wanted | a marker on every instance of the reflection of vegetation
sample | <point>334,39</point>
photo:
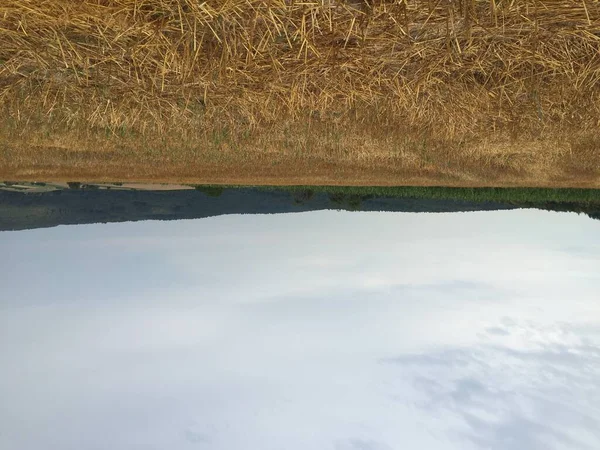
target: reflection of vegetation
<point>337,198</point>
<point>84,205</point>
<point>300,197</point>
<point>211,191</point>
<point>339,194</point>
<point>351,202</point>
<point>354,201</point>
<point>351,197</point>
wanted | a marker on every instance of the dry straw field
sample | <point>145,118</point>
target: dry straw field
<point>450,92</point>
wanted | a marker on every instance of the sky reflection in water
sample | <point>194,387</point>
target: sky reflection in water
<point>325,330</point>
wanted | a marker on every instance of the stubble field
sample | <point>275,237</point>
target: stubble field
<point>433,92</point>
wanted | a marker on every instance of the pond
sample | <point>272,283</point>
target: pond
<point>316,330</point>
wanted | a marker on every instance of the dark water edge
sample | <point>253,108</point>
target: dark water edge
<point>29,210</point>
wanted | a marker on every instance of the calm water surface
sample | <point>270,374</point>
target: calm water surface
<point>322,330</point>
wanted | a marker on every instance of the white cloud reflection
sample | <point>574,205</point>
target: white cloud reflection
<point>324,330</point>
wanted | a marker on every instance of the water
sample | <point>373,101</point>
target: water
<point>316,330</point>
